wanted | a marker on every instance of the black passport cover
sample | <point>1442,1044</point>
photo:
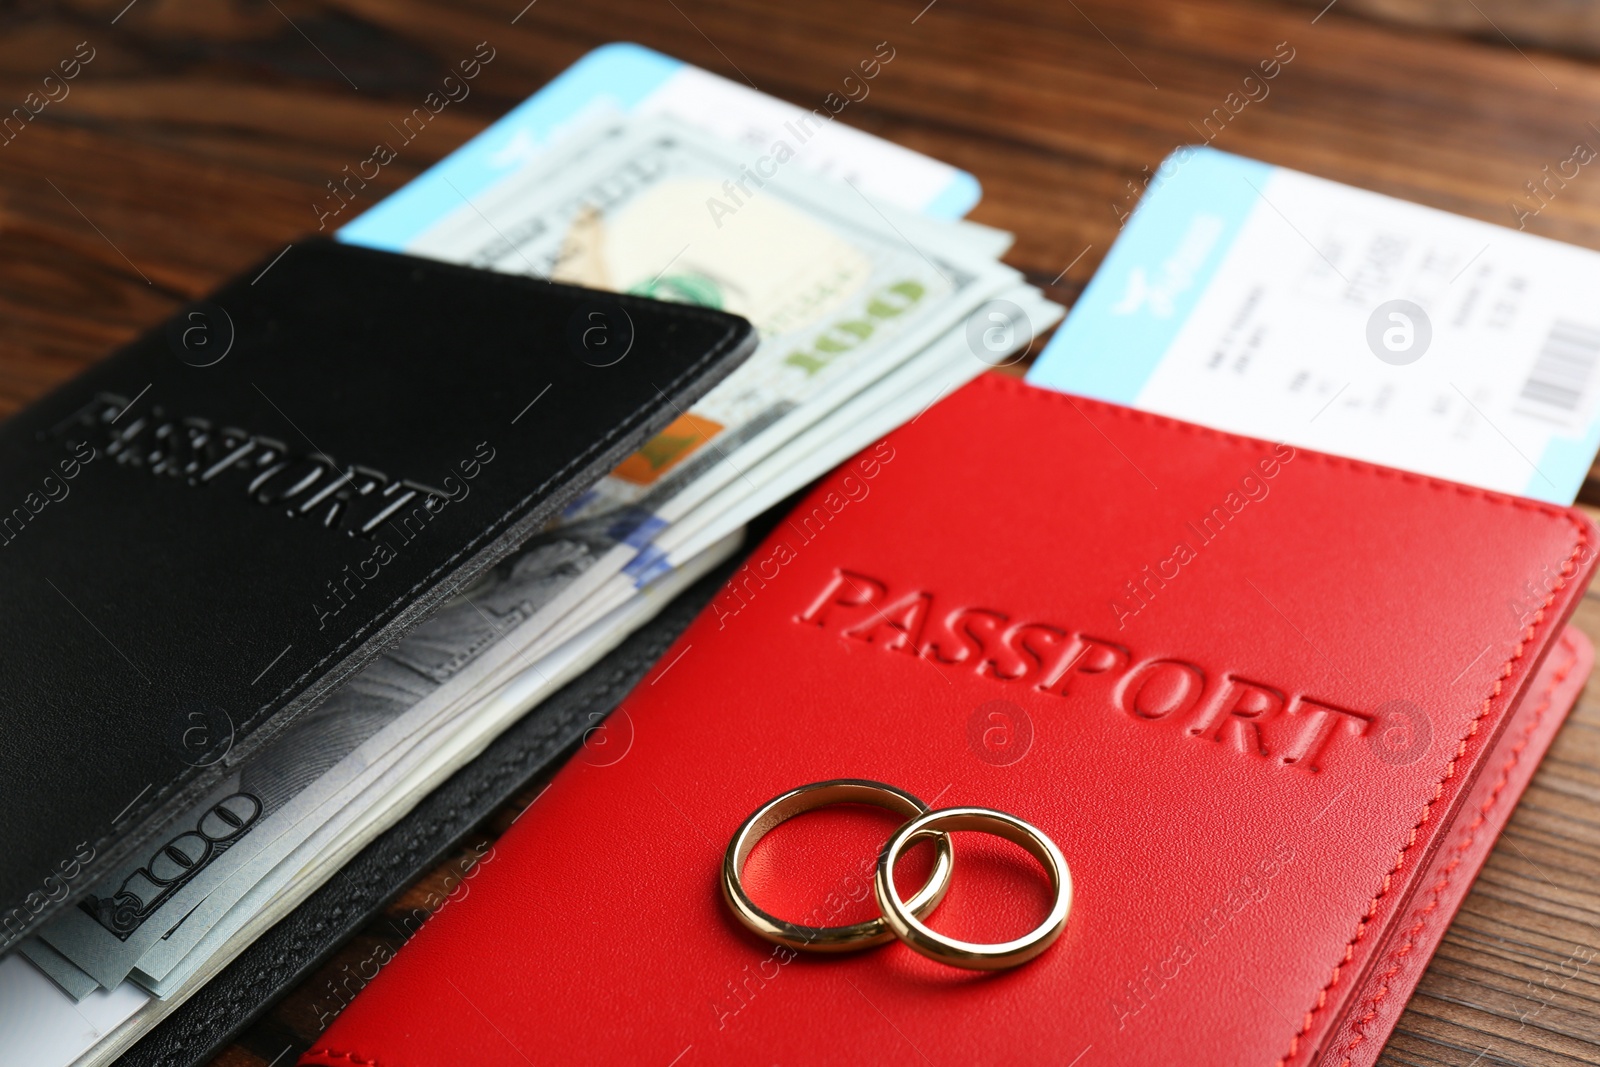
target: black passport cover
<point>203,535</point>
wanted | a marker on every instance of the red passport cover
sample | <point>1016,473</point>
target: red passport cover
<point>1274,706</point>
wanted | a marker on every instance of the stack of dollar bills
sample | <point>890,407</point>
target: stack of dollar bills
<point>631,173</point>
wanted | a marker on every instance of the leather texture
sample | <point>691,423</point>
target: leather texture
<point>1248,690</point>
<point>200,552</point>
<point>535,745</point>
<point>1442,886</point>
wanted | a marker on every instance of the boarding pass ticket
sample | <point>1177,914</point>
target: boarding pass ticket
<point>1266,302</point>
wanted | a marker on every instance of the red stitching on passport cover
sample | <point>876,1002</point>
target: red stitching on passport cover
<point>1568,569</point>
<point>1400,952</point>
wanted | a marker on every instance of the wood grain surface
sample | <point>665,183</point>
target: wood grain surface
<point>201,135</point>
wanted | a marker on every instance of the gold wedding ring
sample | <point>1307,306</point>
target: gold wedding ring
<point>806,798</point>
<point>978,957</point>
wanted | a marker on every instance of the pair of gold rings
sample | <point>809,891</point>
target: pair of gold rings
<point>899,919</point>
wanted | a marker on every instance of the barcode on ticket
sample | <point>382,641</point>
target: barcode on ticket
<point>1559,381</point>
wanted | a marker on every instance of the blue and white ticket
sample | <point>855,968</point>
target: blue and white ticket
<point>628,79</point>
<point>1267,302</point>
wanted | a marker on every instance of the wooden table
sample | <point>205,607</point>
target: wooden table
<point>201,134</point>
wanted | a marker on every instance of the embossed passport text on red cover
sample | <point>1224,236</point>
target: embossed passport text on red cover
<point>1274,706</point>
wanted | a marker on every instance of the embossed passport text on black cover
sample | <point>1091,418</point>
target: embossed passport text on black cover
<point>204,534</point>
